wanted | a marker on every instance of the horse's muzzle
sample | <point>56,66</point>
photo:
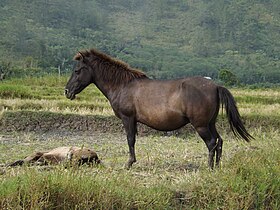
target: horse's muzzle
<point>69,95</point>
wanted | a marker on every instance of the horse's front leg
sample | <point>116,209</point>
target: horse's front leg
<point>131,142</point>
<point>130,125</point>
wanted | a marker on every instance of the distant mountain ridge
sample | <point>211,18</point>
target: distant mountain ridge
<point>165,38</point>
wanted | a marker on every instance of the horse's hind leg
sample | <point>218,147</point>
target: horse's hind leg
<point>210,142</point>
<point>219,146</point>
<point>219,149</point>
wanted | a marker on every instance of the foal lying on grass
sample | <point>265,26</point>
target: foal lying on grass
<point>73,155</point>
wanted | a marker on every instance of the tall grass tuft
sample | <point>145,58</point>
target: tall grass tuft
<point>250,180</point>
<point>65,189</point>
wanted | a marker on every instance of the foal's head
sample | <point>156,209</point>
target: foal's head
<point>83,156</point>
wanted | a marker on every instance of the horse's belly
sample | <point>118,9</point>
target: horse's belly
<point>164,121</point>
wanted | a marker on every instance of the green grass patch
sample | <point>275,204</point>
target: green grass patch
<point>257,99</point>
<point>48,87</point>
<point>16,91</point>
<point>48,81</point>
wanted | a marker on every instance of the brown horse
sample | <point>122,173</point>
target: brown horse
<point>76,155</point>
<point>162,105</point>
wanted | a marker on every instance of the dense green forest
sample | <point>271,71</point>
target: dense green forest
<point>230,40</point>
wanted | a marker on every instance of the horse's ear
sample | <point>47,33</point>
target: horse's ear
<point>82,56</point>
<point>79,56</point>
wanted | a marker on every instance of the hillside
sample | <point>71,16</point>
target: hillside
<point>165,38</point>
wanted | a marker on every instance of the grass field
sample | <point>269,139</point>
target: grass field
<point>171,170</point>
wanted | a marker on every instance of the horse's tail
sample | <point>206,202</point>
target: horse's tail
<point>234,119</point>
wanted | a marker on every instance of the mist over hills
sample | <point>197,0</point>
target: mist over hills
<point>164,38</point>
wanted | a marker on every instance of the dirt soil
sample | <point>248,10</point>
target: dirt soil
<point>30,121</point>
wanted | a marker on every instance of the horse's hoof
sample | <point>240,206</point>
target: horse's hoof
<point>128,166</point>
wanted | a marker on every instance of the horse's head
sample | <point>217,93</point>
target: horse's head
<point>83,155</point>
<point>80,78</point>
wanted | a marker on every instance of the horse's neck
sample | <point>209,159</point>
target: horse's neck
<point>110,89</point>
<point>107,88</point>
<point>104,91</point>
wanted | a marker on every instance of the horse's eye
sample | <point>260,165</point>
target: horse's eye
<point>78,71</point>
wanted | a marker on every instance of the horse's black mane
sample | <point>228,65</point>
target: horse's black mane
<point>111,69</point>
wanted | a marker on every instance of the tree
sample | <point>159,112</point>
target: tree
<point>5,69</point>
<point>227,77</point>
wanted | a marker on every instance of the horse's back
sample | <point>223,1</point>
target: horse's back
<point>189,89</point>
